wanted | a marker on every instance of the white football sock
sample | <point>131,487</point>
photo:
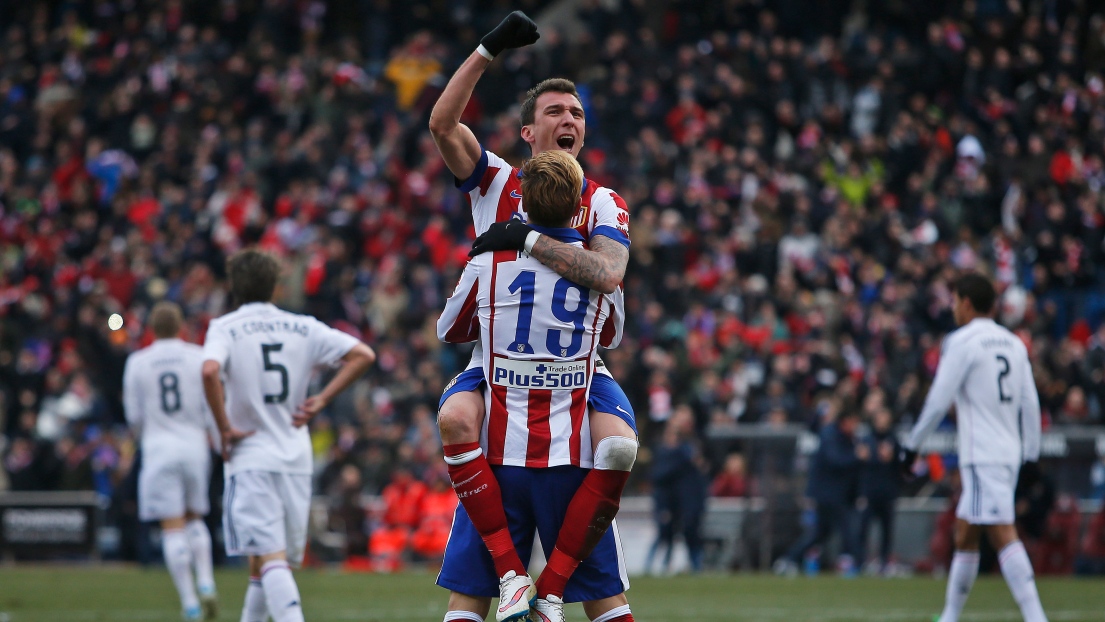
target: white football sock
<point>281,592</point>
<point>960,579</point>
<point>199,540</point>
<point>254,609</point>
<point>1017,571</point>
<point>178,559</point>
<point>455,616</point>
<point>613,613</point>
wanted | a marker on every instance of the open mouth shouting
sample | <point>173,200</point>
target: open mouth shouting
<point>566,142</point>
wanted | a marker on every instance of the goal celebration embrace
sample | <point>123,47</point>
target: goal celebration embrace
<point>552,310</point>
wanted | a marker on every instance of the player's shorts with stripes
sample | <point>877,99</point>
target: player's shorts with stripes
<point>987,497</point>
<point>606,396</point>
<point>169,486</point>
<point>534,500</point>
<point>266,512</point>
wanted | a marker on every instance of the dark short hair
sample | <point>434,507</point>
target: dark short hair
<point>555,85</point>
<point>253,275</point>
<point>166,319</point>
<point>978,289</point>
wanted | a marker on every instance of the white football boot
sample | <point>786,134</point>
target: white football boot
<point>515,595</point>
<point>550,609</point>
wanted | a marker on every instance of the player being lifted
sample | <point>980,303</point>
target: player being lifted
<point>539,333</point>
<point>984,369</point>
<point>266,357</point>
<point>552,120</point>
<point>161,398</point>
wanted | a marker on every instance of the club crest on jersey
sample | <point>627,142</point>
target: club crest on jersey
<point>564,376</point>
<point>580,217</point>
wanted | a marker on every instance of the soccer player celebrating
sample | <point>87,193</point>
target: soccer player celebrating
<point>266,357</point>
<point>552,119</point>
<point>540,332</point>
<point>161,399</point>
<point>984,369</point>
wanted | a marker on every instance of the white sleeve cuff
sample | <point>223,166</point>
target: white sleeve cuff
<point>484,53</point>
<point>531,239</point>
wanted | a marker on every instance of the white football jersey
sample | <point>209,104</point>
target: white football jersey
<point>267,358</point>
<point>495,193</point>
<point>540,333</point>
<point>984,369</point>
<point>163,398</point>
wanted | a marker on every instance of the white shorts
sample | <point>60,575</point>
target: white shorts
<point>170,488</point>
<point>987,497</point>
<point>266,512</point>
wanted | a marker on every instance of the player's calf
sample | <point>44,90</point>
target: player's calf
<point>178,560</point>
<point>254,608</point>
<point>199,542</point>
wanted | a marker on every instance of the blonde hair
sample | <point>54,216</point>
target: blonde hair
<point>552,182</point>
<point>166,319</point>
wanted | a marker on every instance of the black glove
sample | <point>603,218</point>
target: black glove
<point>906,458</point>
<point>516,31</point>
<point>502,236</point>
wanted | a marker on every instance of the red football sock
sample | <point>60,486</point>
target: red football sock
<point>589,514</point>
<point>626,618</point>
<point>479,493</point>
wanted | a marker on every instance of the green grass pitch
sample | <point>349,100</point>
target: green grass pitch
<point>67,593</point>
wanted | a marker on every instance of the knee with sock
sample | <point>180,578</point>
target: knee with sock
<point>178,560</point>
<point>174,547</point>
<point>1017,570</point>
<point>617,614</point>
<point>478,491</point>
<point>199,541</point>
<point>254,608</point>
<point>462,453</point>
<point>281,592</point>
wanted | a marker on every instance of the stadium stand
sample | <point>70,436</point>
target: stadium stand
<point>803,183</point>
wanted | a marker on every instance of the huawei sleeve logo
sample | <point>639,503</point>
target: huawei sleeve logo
<point>623,218</point>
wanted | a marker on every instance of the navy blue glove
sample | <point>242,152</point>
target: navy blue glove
<point>502,236</point>
<point>516,31</point>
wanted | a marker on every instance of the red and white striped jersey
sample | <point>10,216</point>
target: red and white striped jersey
<point>539,333</point>
<point>495,193</point>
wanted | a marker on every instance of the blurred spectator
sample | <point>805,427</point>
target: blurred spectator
<point>679,490</point>
<point>436,517</point>
<point>1034,500</point>
<point>348,515</point>
<point>1053,553</point>
<point>942,541</point>
<point>402,500</point>
<point>878,486</point>
<point>832,488</point>
<point>1091,550</point>
<point>732,481</point>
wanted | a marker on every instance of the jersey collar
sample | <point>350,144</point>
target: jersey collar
<point>562,234</point>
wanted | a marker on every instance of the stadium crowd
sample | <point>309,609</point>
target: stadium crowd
<point>804,182</point>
